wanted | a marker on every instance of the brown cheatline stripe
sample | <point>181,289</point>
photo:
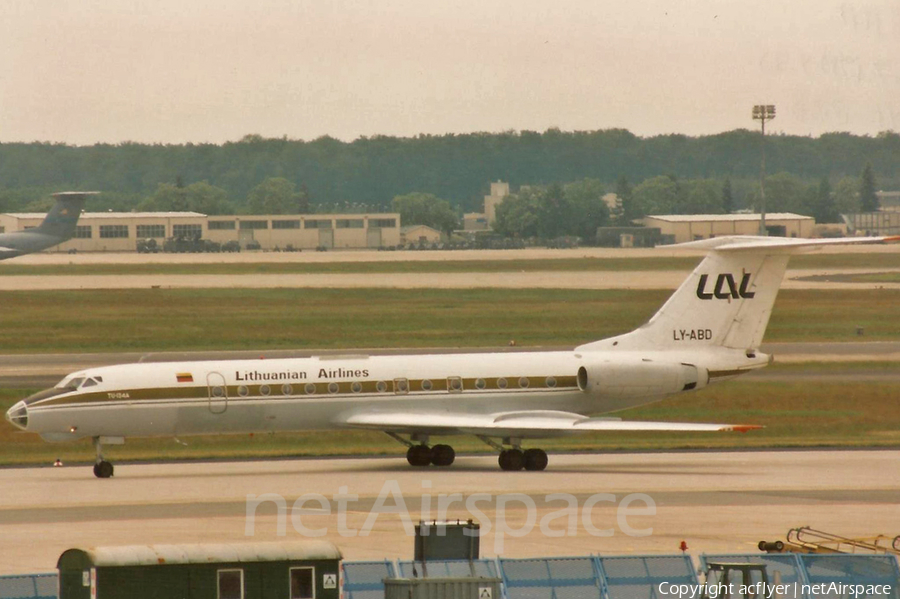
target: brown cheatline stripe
<point>323,389</point>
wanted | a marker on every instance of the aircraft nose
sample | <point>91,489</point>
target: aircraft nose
<point>18,415</point>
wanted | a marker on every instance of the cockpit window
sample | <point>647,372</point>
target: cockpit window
<point>70,383</point>
<point>89,383</point>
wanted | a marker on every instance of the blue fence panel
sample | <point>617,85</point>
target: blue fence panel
<point>640,577</point>
<point>552,578</point>
<point>782,568</point>
<point>365,580</point>
<point>485,568</point>
<point>29,586</point>
<point>851,569</point>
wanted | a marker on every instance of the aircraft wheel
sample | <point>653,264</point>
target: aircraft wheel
<point>418,455</point>
<point>442,455</point>
<point>103,469</point>
<point>511,459</point>
<point>535,459</point>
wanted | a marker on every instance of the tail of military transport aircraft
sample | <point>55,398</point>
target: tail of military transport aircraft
<point>63,217</point>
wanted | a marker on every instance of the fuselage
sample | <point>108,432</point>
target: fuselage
<point>18,243</point>
<point>244,396</point>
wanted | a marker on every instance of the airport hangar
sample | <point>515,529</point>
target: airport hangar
<point>120,231</point>
<point>680,228</point>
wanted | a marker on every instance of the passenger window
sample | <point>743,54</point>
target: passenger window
<point>287,389</point>
<point>302,583</point>
<point>381,386</point>
<point>454,384</point>
<point>480,383</point>
<point>310,388</point>
<point>501,383</point>
<point>426,385</point>
<point>231,584</point>
<point>264,390</point>
<point>333,387</point>
<point>401,386</point>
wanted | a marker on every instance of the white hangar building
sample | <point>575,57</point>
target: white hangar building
<point>691,227</point>
<point>120,231</point>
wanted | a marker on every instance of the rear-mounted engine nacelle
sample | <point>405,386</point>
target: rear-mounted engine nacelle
<point>640,378</point>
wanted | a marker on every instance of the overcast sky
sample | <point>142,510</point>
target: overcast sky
<point>173,71</point>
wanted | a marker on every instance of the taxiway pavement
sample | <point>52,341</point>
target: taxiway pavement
<point>51,257</point>
<point>715,501</point>
<point>666,279</point>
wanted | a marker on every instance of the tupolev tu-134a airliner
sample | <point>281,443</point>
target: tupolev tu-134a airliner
<point>709,330</point>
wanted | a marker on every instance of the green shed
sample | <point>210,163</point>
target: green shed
<point>289,570</point>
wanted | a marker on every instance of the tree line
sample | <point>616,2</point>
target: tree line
<point>668,173</point>
<point>579,208</point>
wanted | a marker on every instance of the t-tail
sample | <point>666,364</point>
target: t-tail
<point>63,217</point>
<point>727,301</point>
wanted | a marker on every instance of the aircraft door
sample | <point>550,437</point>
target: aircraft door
<point>218,393</point>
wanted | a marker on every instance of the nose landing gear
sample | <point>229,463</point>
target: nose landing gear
<point>102,468</point>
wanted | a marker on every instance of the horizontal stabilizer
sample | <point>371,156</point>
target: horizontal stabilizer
<point>777,245</point>
<point>533,424</point>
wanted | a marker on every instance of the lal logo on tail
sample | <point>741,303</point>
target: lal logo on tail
<point>726,288</point>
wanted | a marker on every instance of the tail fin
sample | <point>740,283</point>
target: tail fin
<point>63,217</point>
<point>728,299</point>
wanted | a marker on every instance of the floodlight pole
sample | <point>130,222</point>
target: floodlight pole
<point>763,113</point>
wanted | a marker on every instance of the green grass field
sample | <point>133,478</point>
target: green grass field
<point>795,414</point>
<point>205,319</point>
<point>875,260</point>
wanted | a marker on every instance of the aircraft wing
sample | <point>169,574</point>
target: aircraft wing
<point>530,423</point>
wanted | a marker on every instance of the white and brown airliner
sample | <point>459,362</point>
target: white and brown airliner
<point>709,330</point>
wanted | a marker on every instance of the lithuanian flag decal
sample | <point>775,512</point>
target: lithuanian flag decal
<point>184,377</point>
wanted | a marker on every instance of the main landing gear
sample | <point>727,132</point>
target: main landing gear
<point>102,468</point>
<point>516,459</point>
<point>513,458</point>
<point>422,454</point>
